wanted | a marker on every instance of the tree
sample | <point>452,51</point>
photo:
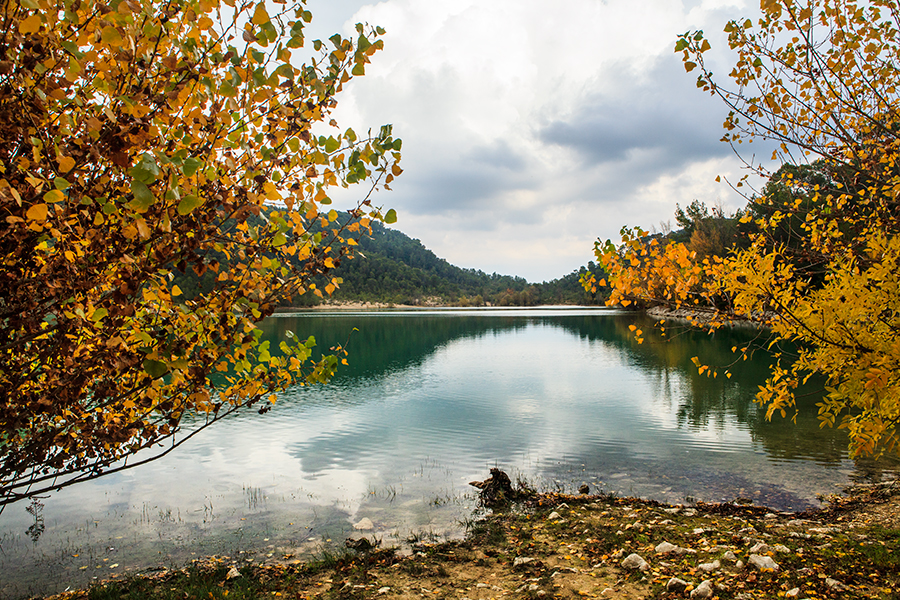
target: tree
<point>819,261</point>
<point>141,140</point>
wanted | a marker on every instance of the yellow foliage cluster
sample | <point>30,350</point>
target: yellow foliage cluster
<point>820,262</point>
<point>142,141</point>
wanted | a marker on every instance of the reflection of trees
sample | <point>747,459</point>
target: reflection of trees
<point>387,344</point>
<point>381,343</point>
<point>713,402</point>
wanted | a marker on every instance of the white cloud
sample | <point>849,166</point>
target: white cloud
<point>530,129</point>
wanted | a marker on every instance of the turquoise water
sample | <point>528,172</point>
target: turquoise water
<point>430,401</point>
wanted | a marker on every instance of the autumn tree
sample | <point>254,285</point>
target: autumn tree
<point>820,264</point>
<point>141,140</point>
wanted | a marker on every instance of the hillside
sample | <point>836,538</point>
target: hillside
<point>392,267</point>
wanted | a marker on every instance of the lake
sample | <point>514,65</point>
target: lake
<point>430,401</point>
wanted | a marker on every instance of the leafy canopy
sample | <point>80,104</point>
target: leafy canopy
<point>141,140</point>
<point>818,260</point>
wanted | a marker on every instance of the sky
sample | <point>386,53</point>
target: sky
<point>531,128</point>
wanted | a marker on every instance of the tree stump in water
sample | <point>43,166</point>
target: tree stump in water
<point>496,490</point>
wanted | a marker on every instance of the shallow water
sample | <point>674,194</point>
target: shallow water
<point>431,400</point>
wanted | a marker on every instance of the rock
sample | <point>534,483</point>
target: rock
<point>676,585</point>
<point>739,564</point>
<point>781,548</point>
<point>554,516</point>
<point>673,511</point>
<point>618,554</point>
<point>522,560</point>
<point>232,573</point>
<point>384,590</point>
<point>666,547</point>
<point>634,561</point>
<point>763,563</point>
<point>834,584</point>
<point>793,593</point>
<point>729,556</point>
<point>704,590</point>
<point>760,548</point>
<point>710,566</point>
<point>364,524</point>
<point>584,489</point>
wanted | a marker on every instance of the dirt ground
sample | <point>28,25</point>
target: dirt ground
<point>558,546</point>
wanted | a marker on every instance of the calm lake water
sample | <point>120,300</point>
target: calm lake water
<point>431,400</point>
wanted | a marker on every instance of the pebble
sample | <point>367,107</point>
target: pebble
<point>522,560</point>
<point>781,548</point>
<point>793,593</point>
<point>676,585</point>
<point>730,556</point>
<point>834,584</point>
<point>710,566</point>
<point>364,524</point>
<point>232,573</point>
<point>634,561</point>
<point>763,563</point>
<point>704,590</point>
<point>384,590</point>
<point>554,516</point>
<point>760,548</point>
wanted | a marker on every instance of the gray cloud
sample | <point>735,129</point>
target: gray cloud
<point>659,114</point>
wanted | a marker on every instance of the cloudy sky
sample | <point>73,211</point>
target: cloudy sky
<point>531,128</point>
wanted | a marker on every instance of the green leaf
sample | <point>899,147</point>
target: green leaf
<point>61,184</point>
<point>143,197</point>
<point>279,240</point>
<point>146,171</point>
<point>390,217</point>
<point>681,44</point>
<point>99,314</point>
<point>331,144</point>
<point>190,166</point>
<point>359,69</point>
<point>155,368</point>
<point>187,204</point>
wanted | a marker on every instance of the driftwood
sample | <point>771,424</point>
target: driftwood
<point>496,490</point>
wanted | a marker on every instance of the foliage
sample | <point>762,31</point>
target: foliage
<point>392,267</point>
<point>818,257</point>
<point>141,140</point>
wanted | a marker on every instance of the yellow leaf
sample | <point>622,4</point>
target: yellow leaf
<point>66,163</point>
<point>260,16</point>
<point>30,25</point>
<point>54,196</point>
<point>37,212</point>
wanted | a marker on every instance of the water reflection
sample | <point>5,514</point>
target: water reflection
<point>430,401</point>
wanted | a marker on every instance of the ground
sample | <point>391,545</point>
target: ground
<point>558,546</point>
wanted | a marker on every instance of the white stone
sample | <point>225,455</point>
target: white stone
<point>364,524</point>
<point>634,561</point>
<point>781,548</point>
<point>666,547</point>
<point>763,563</point>
<point>704,590</point>
<point>760,548</point>
<point>384,590</point>
<point>834,584</point>
<point>554,516</point>
<point>793,593</point>
<point>710,566</point>
<point>522,560</point>
<point>676,585</point>
<point>232,573</point>
<point>730,556</point>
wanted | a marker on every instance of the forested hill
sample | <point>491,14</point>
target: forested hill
<point>392,267</point>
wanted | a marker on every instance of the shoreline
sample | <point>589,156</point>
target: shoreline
<point>564,546</point>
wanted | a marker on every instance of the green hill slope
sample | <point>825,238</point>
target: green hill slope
<point>392,267</point>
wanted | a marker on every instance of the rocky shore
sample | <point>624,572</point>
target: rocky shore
<point>588,546</point>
